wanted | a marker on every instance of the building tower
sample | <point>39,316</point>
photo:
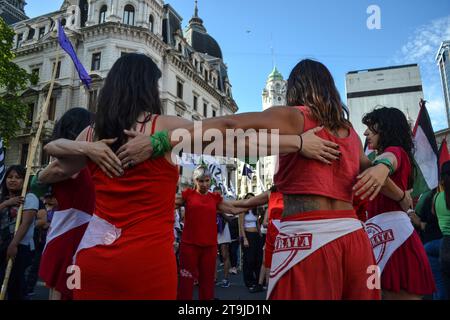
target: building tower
<point>274,94</point>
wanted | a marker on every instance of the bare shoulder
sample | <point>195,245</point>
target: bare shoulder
<point>289,119</point>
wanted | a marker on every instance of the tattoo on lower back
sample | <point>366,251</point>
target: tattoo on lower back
<point>294,204</point>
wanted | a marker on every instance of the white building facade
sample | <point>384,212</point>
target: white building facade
<point>194,83</point>
<point>397,87</point>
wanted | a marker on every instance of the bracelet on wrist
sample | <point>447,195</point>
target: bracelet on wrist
<point>160,143</point>
<point>37,187</point>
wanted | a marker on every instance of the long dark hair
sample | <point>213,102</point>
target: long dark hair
<point>72,123</point>
<point>394,131</point>
<point>311,84</point>
<point>130,89</point>
<point>21,172</point>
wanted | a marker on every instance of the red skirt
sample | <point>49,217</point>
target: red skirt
<point>57,257</point>
<point>336,271</point>
<point>408,269</point>
<point>138,266</point>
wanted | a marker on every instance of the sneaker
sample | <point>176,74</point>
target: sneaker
<point>225,283</point>
<point>233,270</point>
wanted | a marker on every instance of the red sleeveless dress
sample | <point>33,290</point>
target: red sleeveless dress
<point>76,202</point>
<point>140,264</point>
<point>408,269</point>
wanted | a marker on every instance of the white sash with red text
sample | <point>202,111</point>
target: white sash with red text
<point>387,232</point>
<point>299,239</point>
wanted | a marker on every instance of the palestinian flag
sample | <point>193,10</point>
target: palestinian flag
<point>426,153</point>
<point>444,156</point>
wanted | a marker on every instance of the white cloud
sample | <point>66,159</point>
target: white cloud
<point>422,48</point>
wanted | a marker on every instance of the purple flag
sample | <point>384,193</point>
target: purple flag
<point>64,42</point>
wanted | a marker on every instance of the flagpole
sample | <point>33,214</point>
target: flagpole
<point>30,159</point>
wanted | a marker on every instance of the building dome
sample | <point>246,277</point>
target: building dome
<point>199,39</point>
<point>275,75</point>
<point>204,43</point>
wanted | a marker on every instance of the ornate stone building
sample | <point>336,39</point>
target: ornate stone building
<point>194,83</point>
<point>12,11</point>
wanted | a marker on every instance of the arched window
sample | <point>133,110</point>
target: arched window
<point>128,15</point>
<point>102,16</point>
<point>151,23</point>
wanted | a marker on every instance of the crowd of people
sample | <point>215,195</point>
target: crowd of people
<point>113,210</point>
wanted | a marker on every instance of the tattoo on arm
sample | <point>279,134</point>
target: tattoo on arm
<point>294,204</point>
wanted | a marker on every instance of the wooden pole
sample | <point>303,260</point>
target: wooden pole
<point>30,159</point>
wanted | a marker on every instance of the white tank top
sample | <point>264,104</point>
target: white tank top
<point>250,220</point>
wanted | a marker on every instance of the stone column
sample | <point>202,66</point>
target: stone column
<point>114,11</point>
<point>139,14</point>
<point>91,13</point>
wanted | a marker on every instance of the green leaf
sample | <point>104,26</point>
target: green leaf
<point>13,80</point>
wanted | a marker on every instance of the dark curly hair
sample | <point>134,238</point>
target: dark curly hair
<point>72,123</point>
<point>394,131</point>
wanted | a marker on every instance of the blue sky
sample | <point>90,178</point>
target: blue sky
<point>333,32</point>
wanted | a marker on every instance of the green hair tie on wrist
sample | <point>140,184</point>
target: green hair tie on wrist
<point>160,143</point>
<point>387,163</point>
<point>38,188</point>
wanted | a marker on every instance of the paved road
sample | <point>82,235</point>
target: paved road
<point>236,291</point>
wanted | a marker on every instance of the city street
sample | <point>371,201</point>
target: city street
<point>236,291</point>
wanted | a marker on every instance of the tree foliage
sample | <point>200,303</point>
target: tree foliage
<point>13,81</point>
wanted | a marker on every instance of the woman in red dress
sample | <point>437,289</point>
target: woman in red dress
<point>126,252</point>
<point>406,272</point>
<point>198,248</point>
<point>76,202</point>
